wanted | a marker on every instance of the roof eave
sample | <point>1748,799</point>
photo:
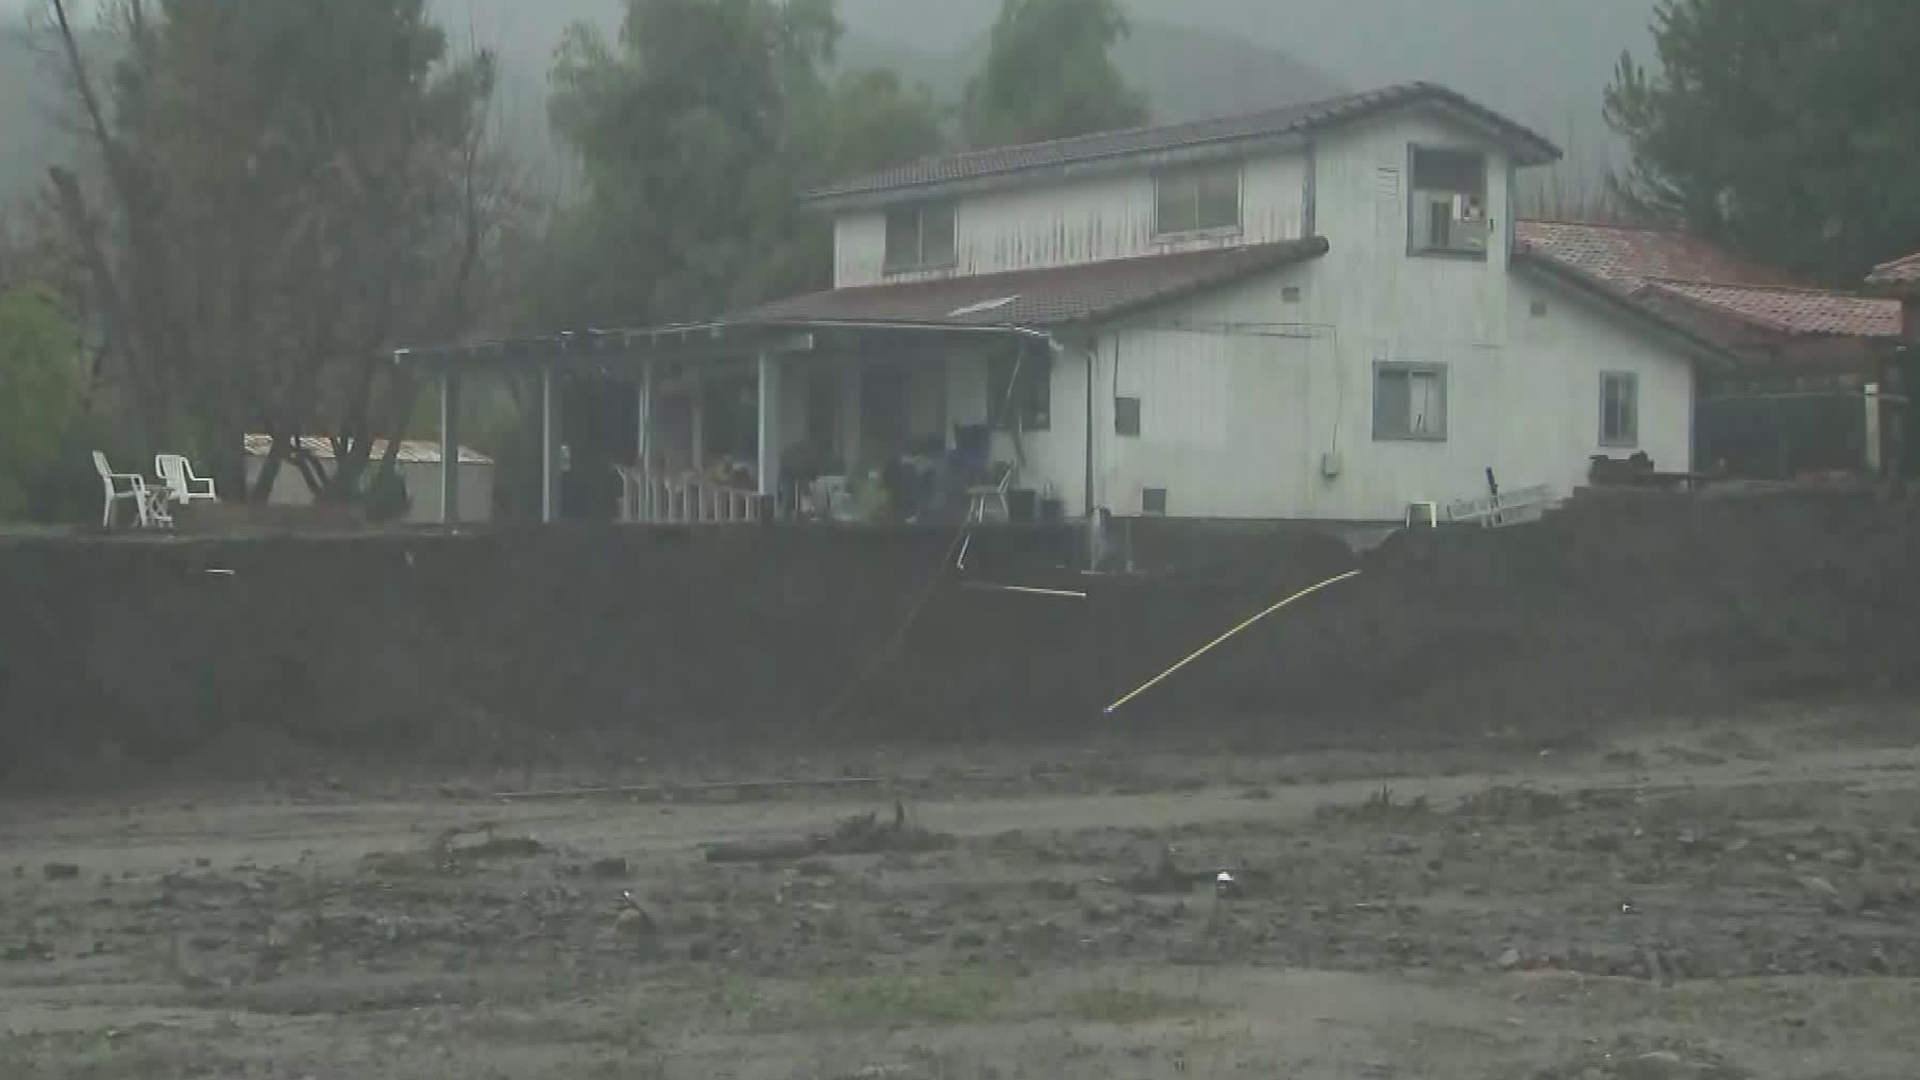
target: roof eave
<point>1526,148</point>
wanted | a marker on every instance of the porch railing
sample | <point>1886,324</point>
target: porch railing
<point>659,500</point>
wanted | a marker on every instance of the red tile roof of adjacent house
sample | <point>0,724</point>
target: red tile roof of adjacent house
<point>1641,264</point>
<point>1627,255</point>
<point>1037,298</point>
<point>1525,143</point>
<point>1900,273</point>
<point>1793,311</point>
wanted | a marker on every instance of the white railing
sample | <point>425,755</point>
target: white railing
<point>1508,508</point>
<point>657,500</point>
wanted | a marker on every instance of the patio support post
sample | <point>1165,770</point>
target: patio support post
<point>449,448</point>
<point>647,509</point>
<point>769,428</point>
<point>549,450</point>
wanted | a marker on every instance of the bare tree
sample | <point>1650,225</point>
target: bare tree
<point>270,220</point>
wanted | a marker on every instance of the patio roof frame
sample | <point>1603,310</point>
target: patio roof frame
<point>636,354</point>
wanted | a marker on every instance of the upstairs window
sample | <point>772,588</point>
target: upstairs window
<point>920,238</point>
<point>1449,203</point>
<point>1203,199</point>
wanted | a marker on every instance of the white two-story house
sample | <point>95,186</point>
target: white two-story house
<point>1315,313</point>
<point>1309,313</point>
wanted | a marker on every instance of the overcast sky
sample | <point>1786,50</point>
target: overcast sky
<point>1543,60</point>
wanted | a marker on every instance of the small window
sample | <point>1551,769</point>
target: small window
<point>1410,402</point>
<point>1020,391</point>
<point>920,238</point>
<point>1198,200</point>
<point>1619,409</point>
<point>1126,416</point>
<point>1153,502</point>
<point>1449,203</point>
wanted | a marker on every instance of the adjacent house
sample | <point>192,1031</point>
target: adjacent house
<point>418,464</point>
<point>1901,279</point>
<point>1792,388</point>
<point>1321,312</point>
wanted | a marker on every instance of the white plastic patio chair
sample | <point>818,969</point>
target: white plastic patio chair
<point>111,489</point>
<point>184,488</point>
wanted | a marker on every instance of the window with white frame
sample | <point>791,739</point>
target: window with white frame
<point>1410,401</point>
<point>1201,199</point>
<point>1448,212</point>
<point>920,238</point>
<point>1619,409</point>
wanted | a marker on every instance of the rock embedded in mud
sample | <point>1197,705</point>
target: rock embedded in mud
<point>61,871</point>
<point>609,869</point>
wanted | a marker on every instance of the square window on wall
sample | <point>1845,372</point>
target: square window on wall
<point>1620,409</point>
<point>1448,215</point>
<point>1153,502</point>
<point>1126,416</point>
<point>1409,402</point>
<point>1201,199</point>
<point>920,238</point>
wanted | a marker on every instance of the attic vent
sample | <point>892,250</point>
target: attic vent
<point>981,307</point>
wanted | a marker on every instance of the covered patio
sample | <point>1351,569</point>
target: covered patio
<point>748,422</point>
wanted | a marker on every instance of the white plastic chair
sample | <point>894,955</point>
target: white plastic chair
<point>111,484</point>
<point>184,488</point>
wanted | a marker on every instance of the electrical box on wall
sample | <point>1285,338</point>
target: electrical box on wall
<point>1331,465</point>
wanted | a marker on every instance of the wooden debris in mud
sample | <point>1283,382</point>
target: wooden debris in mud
<point>864,834</point>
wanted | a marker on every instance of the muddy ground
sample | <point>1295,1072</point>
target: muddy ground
<point>1719,901</point>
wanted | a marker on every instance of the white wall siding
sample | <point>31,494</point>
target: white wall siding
<point>1244,397</point>
<point>1076,222</point>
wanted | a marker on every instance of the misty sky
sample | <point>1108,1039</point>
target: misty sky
<point>1543,61</point>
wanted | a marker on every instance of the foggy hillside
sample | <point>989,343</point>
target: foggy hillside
<point>1543,61</point>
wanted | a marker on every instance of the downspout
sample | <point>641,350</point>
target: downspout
<point>1310,193</point>
<point>1093,356</point>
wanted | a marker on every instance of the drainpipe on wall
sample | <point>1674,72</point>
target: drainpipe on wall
<point>1092,354</point>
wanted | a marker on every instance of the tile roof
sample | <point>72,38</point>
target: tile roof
<point>1294,119</point>
<point>1648,265</point>
<point>412,451</point>
<point>1038,298</point>
<point>1793,311</point>
<point>1900,273</point>
<point>1628,255</point>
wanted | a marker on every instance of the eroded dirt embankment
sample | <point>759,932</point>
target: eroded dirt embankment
<point>474,652</point>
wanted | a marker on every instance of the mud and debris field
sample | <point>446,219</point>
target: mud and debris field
<point>1720,904</point>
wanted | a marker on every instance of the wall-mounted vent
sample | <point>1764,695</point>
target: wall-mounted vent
<point>1153,502</point>
<point>1290,294</point>
<point>1539,309</point>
